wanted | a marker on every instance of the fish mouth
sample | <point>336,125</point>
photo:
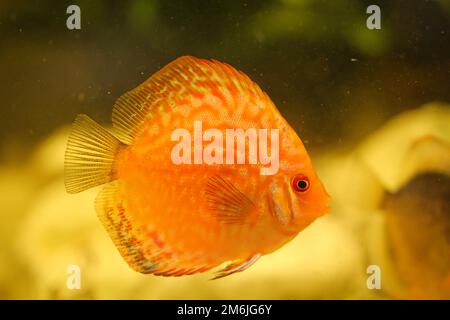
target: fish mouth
<point>316,209</point>
<point>325,206</point>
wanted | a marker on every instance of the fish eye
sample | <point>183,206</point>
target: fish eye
<point>300,183</point>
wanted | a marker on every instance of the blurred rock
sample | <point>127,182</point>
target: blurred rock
<point>384,192</point>
<point>385,150</point>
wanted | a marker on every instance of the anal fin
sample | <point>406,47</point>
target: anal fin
<point>138,244</point>
<point>112,212</point>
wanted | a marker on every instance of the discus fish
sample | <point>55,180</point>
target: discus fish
<point>212,203</point>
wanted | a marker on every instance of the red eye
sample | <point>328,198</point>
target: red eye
<point>300,183</point>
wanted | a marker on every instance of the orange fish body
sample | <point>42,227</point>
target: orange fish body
<point>171,218</point>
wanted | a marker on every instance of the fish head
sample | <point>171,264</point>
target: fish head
<point>297,197</point>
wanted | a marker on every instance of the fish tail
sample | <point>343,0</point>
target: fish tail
<point>90,155</point>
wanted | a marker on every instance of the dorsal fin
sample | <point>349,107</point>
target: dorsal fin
<point>182,80</point>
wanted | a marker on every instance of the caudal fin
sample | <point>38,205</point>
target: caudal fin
<point>90,155</point>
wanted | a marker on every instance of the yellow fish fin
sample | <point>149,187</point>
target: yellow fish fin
<point>142,250</point>
<point>90,154</point>
<point>130,111</point>
<point>237,266</point>
<point>180,83</point>
<point>226,202</point>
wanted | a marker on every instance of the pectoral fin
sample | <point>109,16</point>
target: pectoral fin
<point>226,202</point>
